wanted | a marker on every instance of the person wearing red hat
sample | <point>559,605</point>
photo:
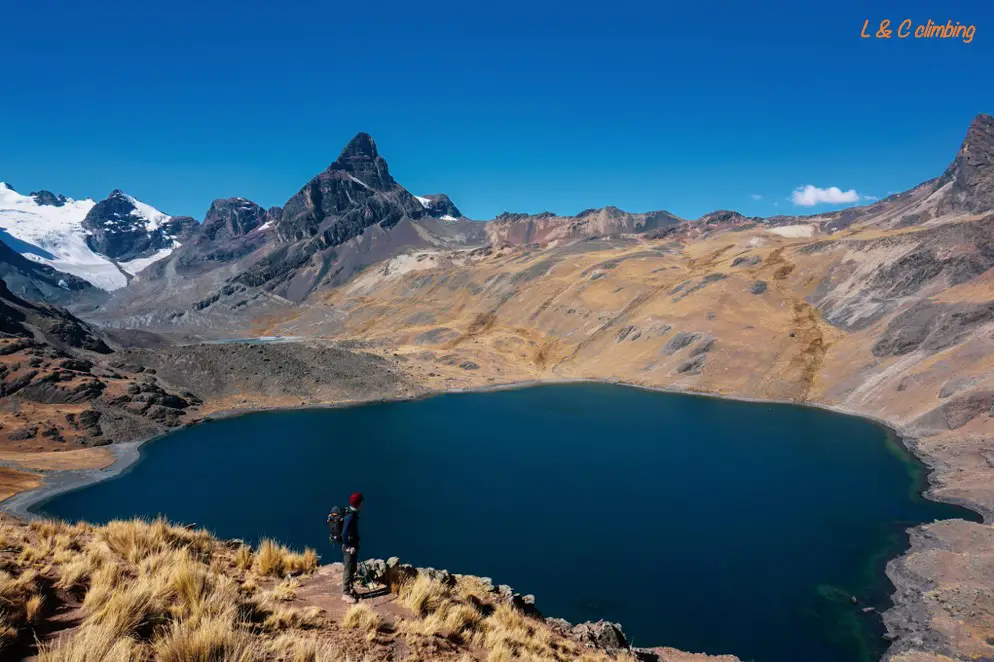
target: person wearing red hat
<point>350,547</point>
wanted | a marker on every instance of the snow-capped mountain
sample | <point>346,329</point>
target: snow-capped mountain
<point>440,206</point>
<point>101,242</point>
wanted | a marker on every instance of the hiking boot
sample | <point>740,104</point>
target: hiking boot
<point>350,598</point>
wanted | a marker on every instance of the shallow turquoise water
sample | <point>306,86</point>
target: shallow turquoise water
<point>704,524</point>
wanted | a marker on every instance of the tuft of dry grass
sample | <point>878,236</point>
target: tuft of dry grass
<point>244,558</point>
<point>295,647</point>
<point>286,590</point>
<point>132,608</point>
<point>423,595</point>
<point>75,572</point>
<point>208,640</point>
<point>300,563</point>
<point>89,644</point>
<point>135,540</point>
<point>20,603</point>
<point>269,559</point>
<point>284,618</point>
<point>275,560</point>
<point>32,608</point>
<point>362,617</point>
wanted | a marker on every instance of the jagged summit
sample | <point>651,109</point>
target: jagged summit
<point>439,205</point>
<point>45,197</point>
<point>361,162</point>
<point>971,174</point>
<point>234,217</point>
<point>362,145</point>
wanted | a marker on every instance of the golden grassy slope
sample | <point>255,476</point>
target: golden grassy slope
<point>139,590</point>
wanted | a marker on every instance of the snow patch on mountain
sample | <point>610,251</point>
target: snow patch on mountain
<point>153,217</point>
<point>794,231</point>
<point>425,202</point>
<point>56,237</point>
<point>136,265</point>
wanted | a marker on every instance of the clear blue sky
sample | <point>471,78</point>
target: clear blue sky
<point>523,106</point>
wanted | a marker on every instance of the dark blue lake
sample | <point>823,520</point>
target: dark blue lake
<point>703,524</point>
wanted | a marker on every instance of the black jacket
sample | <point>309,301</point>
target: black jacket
<point>350,529</point>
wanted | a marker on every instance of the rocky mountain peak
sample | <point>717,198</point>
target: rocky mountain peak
<point>121,228</point>
<point>361,146</point>
<point>439,205</point>
<point>972,171</point>
<point>723,216</point>
<point>362,163</point>
<point>180,227</point>
<point>980,135</point>
<point>232,217</point>
<point>44,197</point>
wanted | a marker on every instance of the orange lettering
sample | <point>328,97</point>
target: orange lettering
<point>863,31</point>
<point>904,29</point>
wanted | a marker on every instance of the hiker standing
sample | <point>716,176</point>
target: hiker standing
<point>350,547</point>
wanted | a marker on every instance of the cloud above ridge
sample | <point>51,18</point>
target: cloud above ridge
<point>809,196</point>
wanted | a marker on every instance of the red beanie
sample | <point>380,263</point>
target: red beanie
<point>355,499</point>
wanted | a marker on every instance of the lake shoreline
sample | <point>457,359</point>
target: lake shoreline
<point>25,504</point>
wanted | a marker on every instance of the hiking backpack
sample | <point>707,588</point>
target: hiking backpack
<point>336,518</point>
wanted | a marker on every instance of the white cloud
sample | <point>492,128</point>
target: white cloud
<point>809,196</point>
<point>776,204</point>
<point>756,196</point>
<point>871,198</point>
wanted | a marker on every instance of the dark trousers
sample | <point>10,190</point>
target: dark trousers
<point>350,561</point>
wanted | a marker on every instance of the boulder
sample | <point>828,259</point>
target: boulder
<point>602,635</point>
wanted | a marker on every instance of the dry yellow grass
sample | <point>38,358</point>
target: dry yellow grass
<point>89,644</point>
<point>244,558</point>
<point>207,640</point>
<point>275,560</point>
<point>13,481</point>
<point>295,647</point>
<point>286,590</point>
<point>154,591</point>
<point>76,571</point>
<point>282,618</point>
<point>361,617</point>
<point>82,458</point>
<point>423,595</point>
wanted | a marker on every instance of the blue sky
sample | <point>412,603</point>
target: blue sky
<point>521,106</point>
